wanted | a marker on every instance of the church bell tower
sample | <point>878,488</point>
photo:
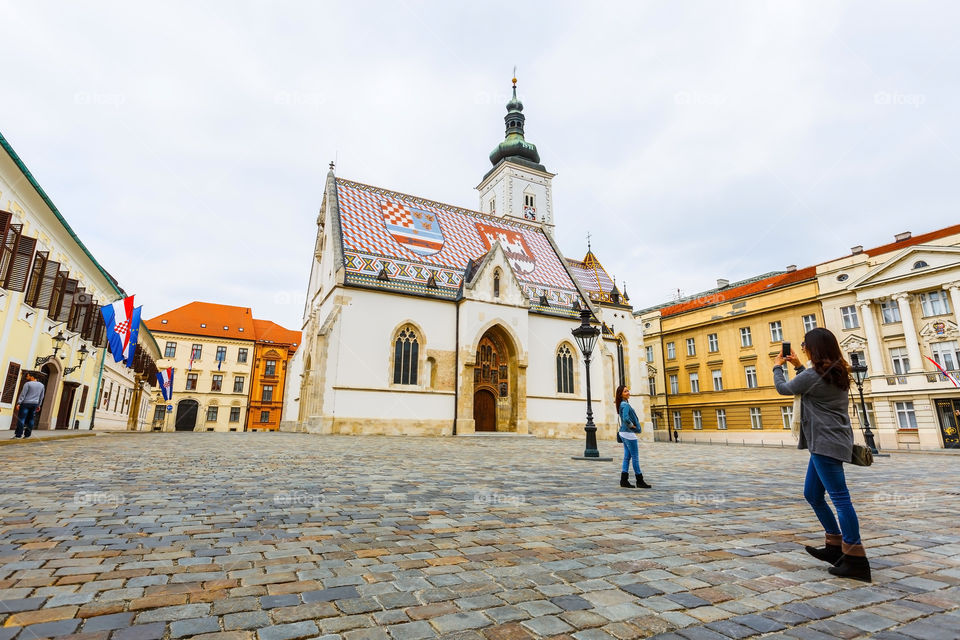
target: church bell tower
<point>517,186</point>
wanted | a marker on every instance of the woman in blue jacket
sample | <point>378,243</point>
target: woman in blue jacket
<point>629,428</point>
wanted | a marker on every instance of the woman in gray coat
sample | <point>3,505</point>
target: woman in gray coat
<point>825,430</point>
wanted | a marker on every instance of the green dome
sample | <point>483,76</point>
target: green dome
<point>514,146</point>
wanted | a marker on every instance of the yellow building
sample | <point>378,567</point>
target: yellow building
<point>50,289</point>
<point>710,358</point>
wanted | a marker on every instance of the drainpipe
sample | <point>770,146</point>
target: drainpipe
<point>96,394</point>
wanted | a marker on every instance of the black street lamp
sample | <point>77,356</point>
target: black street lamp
<point>586,336</point>
<point>83,354</point>
<point>859,370</point>
<point>58,341</point>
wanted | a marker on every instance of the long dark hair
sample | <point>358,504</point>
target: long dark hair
<point>620,396</point>
<point>827,358</point>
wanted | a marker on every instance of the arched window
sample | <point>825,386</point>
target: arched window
<point>920,264</point>
<point>496,284</point>
<point>406,357</point>
<point>564,370</point>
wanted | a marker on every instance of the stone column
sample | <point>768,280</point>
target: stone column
<point>954,289</point>
<point>877,363</point>
<point>909,331</point>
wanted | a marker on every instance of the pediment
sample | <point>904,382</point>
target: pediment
<point>938,329</point>
<point>904,265</point>
<point>481,286</point>
<point>853,342</point>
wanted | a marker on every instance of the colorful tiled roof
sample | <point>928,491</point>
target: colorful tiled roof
<point>592,277</point>
<point>408,239</point>
<point>919,239</point>
<point>268,331</point>
<point>729,294</point>
<point>207,319</point>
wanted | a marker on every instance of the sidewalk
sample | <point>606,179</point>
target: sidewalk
<point>6,436</point>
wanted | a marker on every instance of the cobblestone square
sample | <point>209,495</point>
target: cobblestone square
<point>273,536</point>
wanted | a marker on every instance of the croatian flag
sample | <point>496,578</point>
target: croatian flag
<point>165,378</point>
<point>946,374</point>
<point>134,333</point>
<point>118,319</point>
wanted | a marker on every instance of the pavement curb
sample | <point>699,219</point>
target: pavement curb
<point>12,441</point>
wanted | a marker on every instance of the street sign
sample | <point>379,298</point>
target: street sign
<point>169,408</point>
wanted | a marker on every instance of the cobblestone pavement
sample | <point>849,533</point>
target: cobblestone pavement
<point>275,536</point>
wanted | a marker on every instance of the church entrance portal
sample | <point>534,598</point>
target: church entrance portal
<point>484,410</point>
<point>495,405</point>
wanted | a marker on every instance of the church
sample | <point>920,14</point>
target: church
<point>424,318</point>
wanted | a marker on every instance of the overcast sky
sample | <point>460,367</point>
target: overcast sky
<point>187,143</point>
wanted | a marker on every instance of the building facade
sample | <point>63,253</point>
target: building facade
<point>274,348</point>
<point>897,307</point>
<point>713,358</point>
<point>424,318</point>
<point>50,290</point>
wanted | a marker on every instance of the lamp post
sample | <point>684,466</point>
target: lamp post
<point>58,341</point>
<point>83,354</point>
<point>586,336</point>
<point>859,370</point>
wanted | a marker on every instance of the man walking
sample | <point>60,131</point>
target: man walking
<point>28,406</point>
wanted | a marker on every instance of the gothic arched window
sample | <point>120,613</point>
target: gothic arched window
<point>406,357</point>
<point>564,369</point>
<point>496,284</point>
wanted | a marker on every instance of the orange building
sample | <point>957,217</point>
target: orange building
<point>274,349</point>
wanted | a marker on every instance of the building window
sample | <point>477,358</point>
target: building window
<point>697,419</point>
<point>901,363</point>
<point>751,372</point>
<point>717,376</point>
<point>671,351</point>
<point>564,369</point>
<point>934,303</point>
<point>406,357</point>
<point>10,383</point>
<point>234,414</point>
<point>856,412</point>
<point>694,383</point>
<point>691,347</point>
<point>212,414</point>
<point>217,383</point>
<point>674,385</point>
<point>849,316</point>
<point>529,200</point>
<point>241,354</point>
<point>191,382</point>
<point>713,343</point>
<point>721,418</point>
<point>221,354</point>
<point>786,416</point>
<point>858,355</point>
<point>493,205</point>
<point>652,385</point>
<point>906,418</point>
<point>776,331</point>
<point>809,323</point>
<point>270,368</point>
<point>196,351</point>
<point>264,416</point>
<point>170,351</point>
<point>756,418</point>
<point>946,354</point>
<point>159,413</point>
<point>238,384</point>
<point>677,422</point>
<point>746,339</point>
<point>267,394</point>
<point>649,354</point>
<point>890,311</point>
<point>496,284</point>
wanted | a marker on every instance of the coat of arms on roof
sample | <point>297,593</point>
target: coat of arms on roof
<point>416,229</point>
<point>513,243</point>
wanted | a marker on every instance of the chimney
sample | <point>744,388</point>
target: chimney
<point>857,249</point>
<point>791,268</point>
<point>900,237</point>
<point>722,283</point>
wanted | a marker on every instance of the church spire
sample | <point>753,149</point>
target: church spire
<point>514,147</point>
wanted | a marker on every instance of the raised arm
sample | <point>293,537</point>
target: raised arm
<point>805,379</point>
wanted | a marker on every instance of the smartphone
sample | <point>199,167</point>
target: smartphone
<point>786,349</point>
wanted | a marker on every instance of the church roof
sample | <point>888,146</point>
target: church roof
<point>593,278</point>
<point>398,242</point>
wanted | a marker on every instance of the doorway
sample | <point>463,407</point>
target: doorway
<point>186,415</point>
<point>65,412</point>
<point>484,410</point>
<point>948,413</point>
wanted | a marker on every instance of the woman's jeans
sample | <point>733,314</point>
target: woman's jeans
<point>825,473</point>
<point>630,450</point>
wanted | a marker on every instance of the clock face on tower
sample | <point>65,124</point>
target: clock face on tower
<point>530,213</point>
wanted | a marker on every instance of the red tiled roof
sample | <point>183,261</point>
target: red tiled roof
<point>268,331</point>
<point>190,318</point>
<point>909,242</point>
<point>727,295</point>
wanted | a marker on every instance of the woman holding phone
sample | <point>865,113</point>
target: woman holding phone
<point>826,431</point>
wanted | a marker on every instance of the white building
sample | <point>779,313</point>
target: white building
<point>424,318</point>
<point>895,306</point>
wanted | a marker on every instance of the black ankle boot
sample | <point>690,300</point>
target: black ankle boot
<point>829,553</point>
<point>625,480</point>
<point>856,567</point>
<point>641,484</point>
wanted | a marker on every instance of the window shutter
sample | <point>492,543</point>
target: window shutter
<point>36,277</point>
<point>66,300</point>
<point>19,268</point>
<point>83,399</point>
<point>76,310</point>
<point>45,293</point>
<point>8,243</point>
<point>56,296</point>
<point>100,332</point>
<point>10,384</point>
<point>5,218</point>
<point>89,321</point>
